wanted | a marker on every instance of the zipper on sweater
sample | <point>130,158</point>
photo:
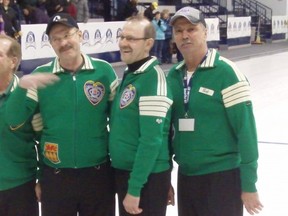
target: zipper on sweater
<point>75,118</point>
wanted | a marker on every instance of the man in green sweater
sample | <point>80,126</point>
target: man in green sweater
<point>215,142</point>
<point>18,158</point>
<point>140,120</point>
<point>77,178</point>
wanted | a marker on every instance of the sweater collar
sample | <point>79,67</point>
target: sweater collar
<point>209,62</point>
<point>143,65</point>
<point>87,65</point>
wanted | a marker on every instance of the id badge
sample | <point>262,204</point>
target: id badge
<point>186,124</point>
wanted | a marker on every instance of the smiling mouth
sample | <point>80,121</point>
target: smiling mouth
<point>186,43</point>
<point>64,49</point>
<point>126,51</point>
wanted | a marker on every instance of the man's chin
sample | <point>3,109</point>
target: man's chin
<point>126,59</point>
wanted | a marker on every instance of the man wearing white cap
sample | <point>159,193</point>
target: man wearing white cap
<point>215,142</point>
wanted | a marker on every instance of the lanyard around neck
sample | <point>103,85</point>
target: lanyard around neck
<point>187,89</point>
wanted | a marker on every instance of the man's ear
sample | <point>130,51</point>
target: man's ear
<point>206,32</point>
<point>80,35</point>
<point>14,62</point>
<point>150,43</point>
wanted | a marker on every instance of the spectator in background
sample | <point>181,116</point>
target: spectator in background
<point>107,10</point>
<point>16,6</point>
<point>60,7</point>
<point>34,15</point>
<point>149,12</point>
<point>120,4</point>
<point>28,2</point>
<point>41,5</point>
<point>129,10</point>
<point>55,6</point>
<point>1,21</point>
<point>12,25</point>
<point>50,6</point>
<point>71,9</point>
<point>160,28</point>
<point>167,46</point>
<point>1,25</point>
<point>82,10</point>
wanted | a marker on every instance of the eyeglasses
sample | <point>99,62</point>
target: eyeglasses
<point>65,37</point>
<point>130,38</point>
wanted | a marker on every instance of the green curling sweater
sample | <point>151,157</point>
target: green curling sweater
<point>225,133</point>
<point>140,120</point>
<point>18,157</point>
<point>74,111</point>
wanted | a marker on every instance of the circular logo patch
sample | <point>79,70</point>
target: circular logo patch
<point>94,91</point>
<point>127,96</point>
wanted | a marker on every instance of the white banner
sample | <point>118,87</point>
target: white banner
<point>98,37</point>
<point>239,27</point>
<point>279,24</point>
<point>213,33</point>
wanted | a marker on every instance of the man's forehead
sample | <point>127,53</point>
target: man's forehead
<point>179,22</point>
<point>136,27</point>
<point>139,23</point>
<point>5,44</point>
<point>59,28</point>
<point>181,19</point>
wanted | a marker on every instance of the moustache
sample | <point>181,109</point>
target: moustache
<point>125,49</point>
<point>186,42</point>
<point>65,48</point>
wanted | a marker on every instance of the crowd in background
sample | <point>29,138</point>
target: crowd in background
<point>163,47</point>
<point>13,13</point>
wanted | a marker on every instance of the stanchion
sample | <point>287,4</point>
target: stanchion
<point>258,37</point>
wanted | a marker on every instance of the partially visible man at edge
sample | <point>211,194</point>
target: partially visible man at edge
<point>18,156</point>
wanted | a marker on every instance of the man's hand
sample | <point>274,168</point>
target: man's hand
<point>37,80</point>
<point>38,192</point>
<point>251,202</point>
<point>131,204</point>
<point>171,198</point>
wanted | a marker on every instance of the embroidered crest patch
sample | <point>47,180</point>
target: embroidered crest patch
<point>127,96</point>
<point>51,152</point>
<point>94,91</point>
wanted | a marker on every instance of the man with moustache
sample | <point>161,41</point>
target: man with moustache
<point>73,93</point>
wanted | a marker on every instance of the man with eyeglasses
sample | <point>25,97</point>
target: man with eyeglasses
<point>73,93</point>
<point>140,120</point>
